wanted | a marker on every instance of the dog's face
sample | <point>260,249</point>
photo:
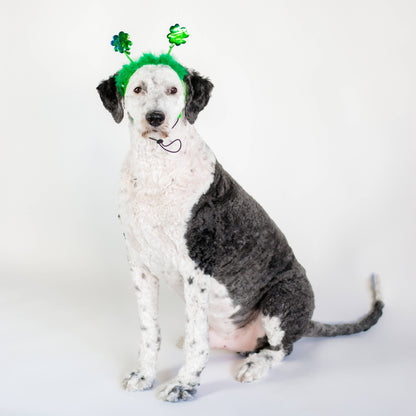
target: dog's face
<point>155,97</point>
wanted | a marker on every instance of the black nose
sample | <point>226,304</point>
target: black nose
<point>155,118</point>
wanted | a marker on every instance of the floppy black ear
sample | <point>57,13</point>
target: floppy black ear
<point>111,98</point>
<point>198,91</point>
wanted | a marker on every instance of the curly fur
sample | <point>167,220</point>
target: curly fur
<point>188,222</point>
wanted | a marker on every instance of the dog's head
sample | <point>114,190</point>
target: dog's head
<point>155,97</point>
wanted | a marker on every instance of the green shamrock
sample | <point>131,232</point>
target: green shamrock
<point>177,36</point>
<point>121,43</point>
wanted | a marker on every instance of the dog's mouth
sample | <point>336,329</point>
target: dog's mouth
<point>158,135</point>
<point>155,134</point>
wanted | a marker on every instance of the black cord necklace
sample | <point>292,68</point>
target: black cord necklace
<point>163,146</point>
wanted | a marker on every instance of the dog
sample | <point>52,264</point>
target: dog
<point>188,222</point>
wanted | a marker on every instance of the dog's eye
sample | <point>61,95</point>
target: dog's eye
<point>138,90</point>
<point>173,90</point>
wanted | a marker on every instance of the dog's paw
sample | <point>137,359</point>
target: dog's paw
<point>135,381</point>
<point>252,370</point>
<point>175,391</point>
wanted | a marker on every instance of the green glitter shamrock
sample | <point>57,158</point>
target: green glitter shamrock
<point>177,36</point>
<point>121,43</point>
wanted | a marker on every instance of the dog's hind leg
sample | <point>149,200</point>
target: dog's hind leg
<point>258,364</point>
<point>286,311</point>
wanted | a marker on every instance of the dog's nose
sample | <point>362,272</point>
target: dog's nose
<point>155,118</point>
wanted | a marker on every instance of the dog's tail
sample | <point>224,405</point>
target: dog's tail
<point>318,329</point>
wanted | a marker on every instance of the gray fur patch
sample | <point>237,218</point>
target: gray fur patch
<point>231,238</point>
<point>111,98</point>
<point>198,92</point>
<point>318,329</point>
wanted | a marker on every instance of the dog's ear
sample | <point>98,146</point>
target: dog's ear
<point>198,91</point>
<point>111,98</point>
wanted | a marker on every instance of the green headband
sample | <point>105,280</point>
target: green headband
<point>122,44</point>
<point>123,76</point>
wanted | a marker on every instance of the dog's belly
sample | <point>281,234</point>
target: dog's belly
<point>240,339</point>
<point>223,332</point>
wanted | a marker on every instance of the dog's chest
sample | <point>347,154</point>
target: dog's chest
<point>155,204</point>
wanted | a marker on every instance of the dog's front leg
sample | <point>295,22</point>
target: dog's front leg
<point>196,343</point>
<point>147,290</point>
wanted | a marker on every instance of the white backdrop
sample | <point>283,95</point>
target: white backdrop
<point>313,112</point>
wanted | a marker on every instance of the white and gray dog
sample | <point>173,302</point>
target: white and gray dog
<point>187,221</point>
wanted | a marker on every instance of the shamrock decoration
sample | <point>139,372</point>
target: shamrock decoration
<point>121,43</point>
<point>177,36</point>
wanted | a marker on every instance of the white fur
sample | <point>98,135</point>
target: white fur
<point>221,309</point>
<point>158,191</point>
<point>257,365</point>
<point>275,334</point>
<point>146,286</point>
<point>376,288</point>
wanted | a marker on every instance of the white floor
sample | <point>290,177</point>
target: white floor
<point>65,346</point>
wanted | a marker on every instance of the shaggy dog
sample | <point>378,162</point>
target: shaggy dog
<point>188,222</point>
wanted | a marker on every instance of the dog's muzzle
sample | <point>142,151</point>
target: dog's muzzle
<point>155,118</point>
